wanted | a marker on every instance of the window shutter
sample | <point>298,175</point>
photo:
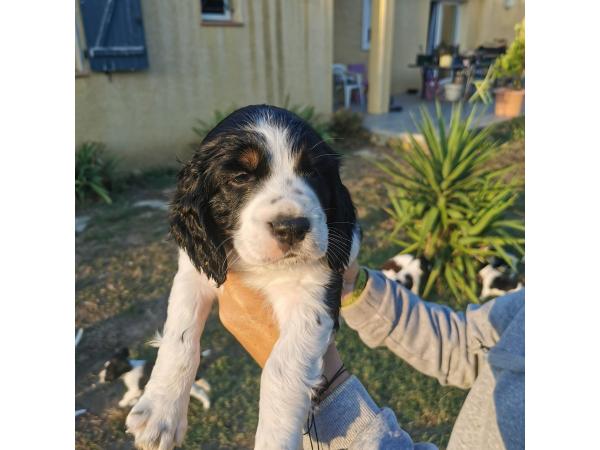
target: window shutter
<point>114,32</point>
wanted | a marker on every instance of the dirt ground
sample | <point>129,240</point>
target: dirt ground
<point>125,263</point>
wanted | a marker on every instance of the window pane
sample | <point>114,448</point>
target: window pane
<point>213,7</point>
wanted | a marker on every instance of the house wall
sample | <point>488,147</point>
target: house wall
<point>410,38</point>
<point>481,21</point>
<point>347,33</point>
<point>488,20</point>
<point>146,118</point>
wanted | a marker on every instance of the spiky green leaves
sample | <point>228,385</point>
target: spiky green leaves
<point>450,206</point>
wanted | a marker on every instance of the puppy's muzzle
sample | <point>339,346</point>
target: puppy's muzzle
<point>289,230</point>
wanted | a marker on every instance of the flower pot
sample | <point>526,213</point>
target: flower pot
<point>453,91</point>
<point>509,102</point>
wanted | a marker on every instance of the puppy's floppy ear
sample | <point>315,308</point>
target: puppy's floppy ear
<point>341,220</point>
<point>192,224</point>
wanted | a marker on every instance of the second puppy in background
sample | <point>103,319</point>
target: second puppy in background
<point>407,270</point>
<point>135,374</point>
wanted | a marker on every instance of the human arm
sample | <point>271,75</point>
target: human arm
<point>432,338</point>
<point>249,318</point>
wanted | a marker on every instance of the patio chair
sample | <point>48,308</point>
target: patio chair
<point>350,82</point>
<point>361,69</point>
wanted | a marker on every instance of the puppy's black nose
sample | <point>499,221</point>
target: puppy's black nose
<point>290,230</point>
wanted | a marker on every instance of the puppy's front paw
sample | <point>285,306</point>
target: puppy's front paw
<point>158,422</point>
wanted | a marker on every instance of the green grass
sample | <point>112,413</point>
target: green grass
<point>124,264</point>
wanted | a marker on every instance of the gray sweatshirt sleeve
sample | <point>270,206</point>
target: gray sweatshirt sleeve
<point>349,419</point>
<point>434,339</point>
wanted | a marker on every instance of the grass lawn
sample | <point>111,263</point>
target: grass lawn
<point>124,268</point>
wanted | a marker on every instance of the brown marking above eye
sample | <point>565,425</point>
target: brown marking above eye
<point>250,158</point>
<point>390,264</point>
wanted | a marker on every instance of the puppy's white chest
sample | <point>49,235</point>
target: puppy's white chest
<point>287,289</point>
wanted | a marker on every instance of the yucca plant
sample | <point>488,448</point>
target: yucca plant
<point>94,172</point>
<point>449,206</point>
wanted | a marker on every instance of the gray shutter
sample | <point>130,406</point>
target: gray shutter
<point>114,32</point>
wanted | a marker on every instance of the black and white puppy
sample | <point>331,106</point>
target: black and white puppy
<point>135,374</point>
<point>262,195</point>
<point>498,278</point>
<point>407,270</point>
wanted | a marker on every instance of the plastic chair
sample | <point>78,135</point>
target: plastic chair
<point>350,81</point>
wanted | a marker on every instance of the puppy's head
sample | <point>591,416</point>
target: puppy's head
<point>406,269</point>
<point>116,366</point>
<point>263,189</point>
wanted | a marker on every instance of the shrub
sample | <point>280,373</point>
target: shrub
<point>509,130</point>
<point>346,124</point>
<point>507,70</point>
<point>94,172</point>
<point>510,67</point>
<point>449,206</point>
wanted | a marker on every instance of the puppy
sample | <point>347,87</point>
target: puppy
<point>407,270</point>
<point>261,196</point>
<point>497,278</point>
<point>135,373</point>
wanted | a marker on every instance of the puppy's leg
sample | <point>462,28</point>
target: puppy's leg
<point>159,418</point>
<point>200,394</point>
<point>130,398</point>
<point>291,373</point>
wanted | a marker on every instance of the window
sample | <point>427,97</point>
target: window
<point>216,10</point>
<point>443,25</point>
<point>114,34</point>
<point>366,25</point>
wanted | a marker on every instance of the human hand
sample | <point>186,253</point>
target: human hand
<point>350,278</point>
<point>248,316</point>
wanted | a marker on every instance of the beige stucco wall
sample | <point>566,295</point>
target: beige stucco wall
<point>347,35</point>
<point>481,21</point>
<point>488,20</point>
<point>146,118</point>
<point>410,38</point>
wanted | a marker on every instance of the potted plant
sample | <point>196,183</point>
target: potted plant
<point>509,72</point>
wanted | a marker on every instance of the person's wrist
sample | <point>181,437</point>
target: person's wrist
<point>334,372</point>
<point>360,281</point>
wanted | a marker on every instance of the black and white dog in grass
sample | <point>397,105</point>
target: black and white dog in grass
<point>498,278</point>
<point>407,270</point>
<point>135,374</point>
<point>262,195</point>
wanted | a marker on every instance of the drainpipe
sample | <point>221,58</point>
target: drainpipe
<point>380,56</point>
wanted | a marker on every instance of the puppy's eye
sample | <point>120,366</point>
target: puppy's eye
<point>241,178</point>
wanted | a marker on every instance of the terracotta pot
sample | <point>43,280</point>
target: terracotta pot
<point>509,102</point>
